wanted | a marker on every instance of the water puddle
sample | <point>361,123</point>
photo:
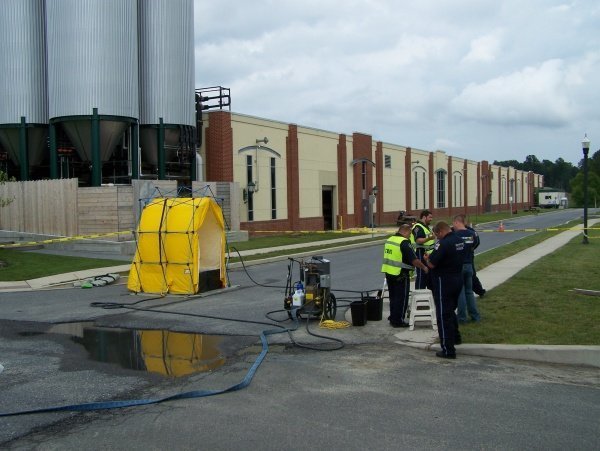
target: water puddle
<point>173,354</point>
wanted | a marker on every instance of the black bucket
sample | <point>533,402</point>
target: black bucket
<point>359,313</point>
<point>374,307</point>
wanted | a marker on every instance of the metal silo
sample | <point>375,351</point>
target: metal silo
<point>167,105</point>
<point>93,73</point>
<point>24,105</point>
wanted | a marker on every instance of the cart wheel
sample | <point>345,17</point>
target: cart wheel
<point>330,307</point>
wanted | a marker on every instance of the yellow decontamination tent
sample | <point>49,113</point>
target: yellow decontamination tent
<point>180,247</point>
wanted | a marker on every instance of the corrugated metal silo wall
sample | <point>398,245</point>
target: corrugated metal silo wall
<point>23,87</point>
<point>167,62</point>
<point>92,57</point>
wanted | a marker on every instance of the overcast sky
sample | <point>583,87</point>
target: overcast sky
<point>479,79</point>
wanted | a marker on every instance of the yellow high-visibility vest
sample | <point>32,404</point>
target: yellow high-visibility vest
<point>427,245</point>
<point>392,256</point>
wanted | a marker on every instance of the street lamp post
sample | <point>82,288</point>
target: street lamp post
<point>585,144</point>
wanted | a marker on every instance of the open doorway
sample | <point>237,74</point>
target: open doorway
<point>327,202</point>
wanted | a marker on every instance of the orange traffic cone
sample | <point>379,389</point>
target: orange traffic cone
<point>501,227</point>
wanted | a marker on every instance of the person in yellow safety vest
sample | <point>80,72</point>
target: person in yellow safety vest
<point>422,239</point>
<point>398,260</point>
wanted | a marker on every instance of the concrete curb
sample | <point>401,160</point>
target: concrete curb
<point>555,354</point>
<point>560,354</point>
<point>49,282</point>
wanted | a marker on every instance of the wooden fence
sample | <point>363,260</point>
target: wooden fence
<point>61,208</point>
<point>45,207</point>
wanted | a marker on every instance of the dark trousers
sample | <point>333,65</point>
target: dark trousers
<point>477,287</point>
<point>446,289</point>
<point>421,278</point>
<point>399,288</point>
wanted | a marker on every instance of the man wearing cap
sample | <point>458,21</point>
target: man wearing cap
<point>398,260</point>
<point>466,300</point>
<point>446,262</point>
<point>422,240</point>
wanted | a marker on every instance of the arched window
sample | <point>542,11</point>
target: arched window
<point>441,188</point>
<point>420,188</point>
<point>457,189</point>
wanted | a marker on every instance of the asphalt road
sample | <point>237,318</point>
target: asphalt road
<point>551,218</point>
<point>372,394</point>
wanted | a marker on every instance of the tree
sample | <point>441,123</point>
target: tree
<point>593,189</point>
<point>593,163</point>
<point>532,164</point>
<point>556,175</point>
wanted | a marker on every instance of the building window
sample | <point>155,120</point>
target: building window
<point>441,189</point>
<point>458,188</point>
<point>387,161</point>
<point>249,178</point>
<point>420,189</point>
<point>416,191</point>
<point>273,191</point>
<point>424,191</point>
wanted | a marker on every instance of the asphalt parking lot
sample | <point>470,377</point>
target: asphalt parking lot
<point>371,393</point>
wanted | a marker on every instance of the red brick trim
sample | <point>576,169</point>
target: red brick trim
<point>450,186</point>
<point>282,225</point>
<point>379,182</point>
<point>219,147</point>
<point>362,146</point>
<point>342,165</point>
<point>408,178</point>
<point>431,202</point>
<point>465,188</point>
<point>293,177</point>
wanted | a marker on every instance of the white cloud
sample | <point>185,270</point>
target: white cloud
<point>426,74</point>
<point>532,96</point>
<point>484,49</point>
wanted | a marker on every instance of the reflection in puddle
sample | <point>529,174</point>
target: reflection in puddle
<point>157,351</point>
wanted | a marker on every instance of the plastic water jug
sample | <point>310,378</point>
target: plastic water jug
<point>298,296</point>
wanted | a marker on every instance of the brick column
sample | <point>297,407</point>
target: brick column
<point>465,189</point>
<point>293,177</point>
<point>499,177</point>
<point>486,185</point>
<point>479,192</point>
<point>361,148</point>
<point>530,189</point>
<point>450,187</point>
<point>408,179</point>
<point>379,182</point>
<point>342,165</point>
<point>219,147</point>
<point>431,203</point>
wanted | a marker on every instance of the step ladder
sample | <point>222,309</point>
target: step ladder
<point>384,290</point>
<point>422,308</point>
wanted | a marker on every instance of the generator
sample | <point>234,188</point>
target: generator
<point>311,294</point>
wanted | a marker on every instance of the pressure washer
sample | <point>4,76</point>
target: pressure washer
<point>311,294</point>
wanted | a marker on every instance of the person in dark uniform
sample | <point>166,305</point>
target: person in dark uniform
<point>466,300</point>
<point>398,260</point>
<point>422,239</point>
<point>446,262</point>
<point>477,286</point>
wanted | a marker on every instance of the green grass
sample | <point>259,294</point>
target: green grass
<point>274,240</point>
<point>539,306</point>
<point>29,265</point>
